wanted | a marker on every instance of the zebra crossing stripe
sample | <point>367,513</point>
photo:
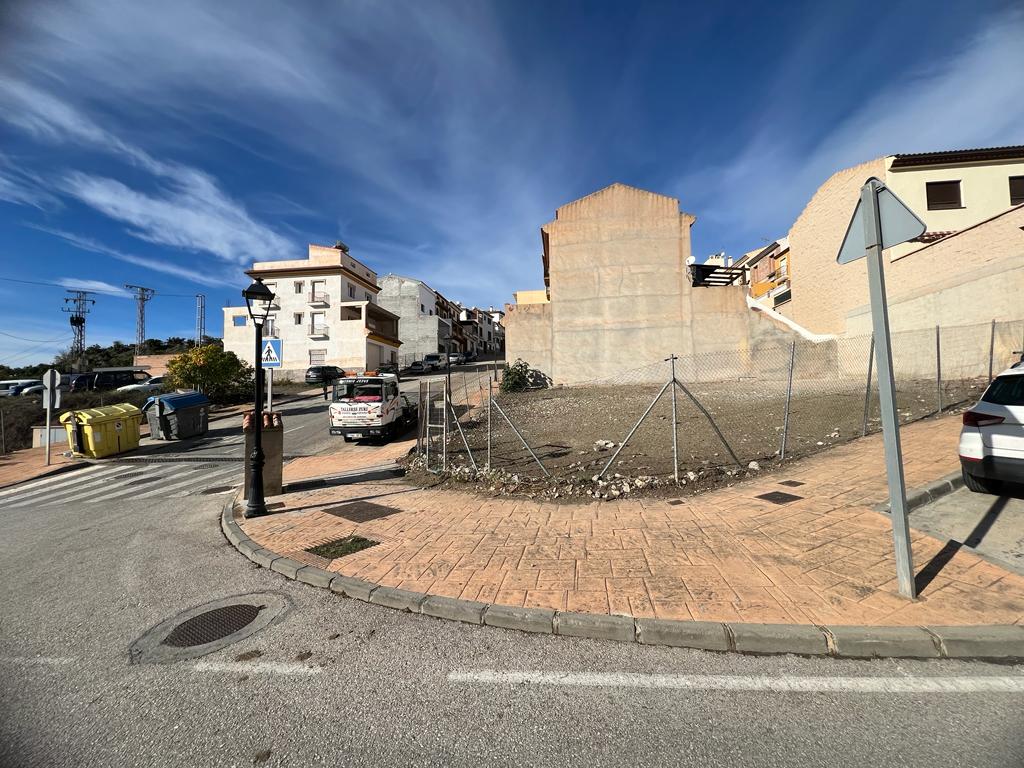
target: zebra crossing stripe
<point>60,487</point>
<point>20,488</point>
<point>82,492</point>
<point>188,482</point>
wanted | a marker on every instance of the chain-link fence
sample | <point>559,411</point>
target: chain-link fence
<point>719,411</point>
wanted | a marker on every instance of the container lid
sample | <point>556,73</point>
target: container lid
<point>101,414</point>
<point>178,400</point>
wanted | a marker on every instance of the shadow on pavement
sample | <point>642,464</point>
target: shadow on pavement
<point>927,574</point>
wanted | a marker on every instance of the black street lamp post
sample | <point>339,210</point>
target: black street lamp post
<point>258,299</point>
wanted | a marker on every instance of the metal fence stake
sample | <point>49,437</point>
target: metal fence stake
<point>991,349</point>
<point>938,368</point>
<point>489,385</point>
<point>711,421</point>
<point>789,398</point>
<point>867,389</point>
<point>465,442</point>
<point>634,429</point>
<point>3,435</point>
<point>675,425</point>
<point>521,439</point>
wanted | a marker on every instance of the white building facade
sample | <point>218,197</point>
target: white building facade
<point>325,312</point>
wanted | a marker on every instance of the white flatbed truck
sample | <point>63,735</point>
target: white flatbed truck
<point>370,406</point>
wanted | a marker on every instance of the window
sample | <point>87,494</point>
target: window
<point>422,309</point>
<point>317,356</point>
<point>238,321</point>
<point>298,318</point>
<point>369,297</point>
<point>1016,190</point>
<point>299,285</point>
<point>351,291</point>
<point>943,195</point>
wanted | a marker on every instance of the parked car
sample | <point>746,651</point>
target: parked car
<point>433,362</point>
<point>417,366</point>
<point>320,374</point>
<point>456,358</point>
<point>992,437</point>
<point>388,367</point>
<point>20,389</point>
<point>64,386</point>
<point>7,386</point>
<point>471,357</point>
<point>109,378</point>
<point>154,384</point>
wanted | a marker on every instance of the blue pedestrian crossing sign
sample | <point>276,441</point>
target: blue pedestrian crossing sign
<point>271,355</point>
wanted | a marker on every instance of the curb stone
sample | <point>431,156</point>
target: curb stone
<point>926,494</point>
<point>1002,642</point>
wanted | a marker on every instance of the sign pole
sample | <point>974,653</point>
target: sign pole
<point>270,390</point>
<point>48,394</point>
<point>51,398</point>
<point>887,390</point>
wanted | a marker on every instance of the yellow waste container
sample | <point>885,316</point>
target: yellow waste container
<point>104,431</point>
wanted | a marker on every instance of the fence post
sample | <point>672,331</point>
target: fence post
<point>991,349</point>
<point>938,367</point>
<point>522,439</point>
<point>789,398</point>
<point>489,385</point>
<point>675,425</point>
<point>711,421</point>
<point>635,428</point>
<point>447,401</point>
<point>3,436</point>
<point>867,389</point>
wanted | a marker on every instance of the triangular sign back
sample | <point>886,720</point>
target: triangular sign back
<point>899,224</point>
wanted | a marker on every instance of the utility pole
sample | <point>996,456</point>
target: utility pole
<point>200,318</point>
<point>77,305</point>
<point>142,295</point>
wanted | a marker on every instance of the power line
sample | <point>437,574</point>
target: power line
<point>95,290</point>
<point>41,341</point>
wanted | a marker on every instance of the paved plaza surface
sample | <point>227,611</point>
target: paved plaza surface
<point>823,557</point>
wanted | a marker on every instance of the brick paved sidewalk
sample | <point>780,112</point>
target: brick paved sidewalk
<point>723,556</point>
<point>30,463</point>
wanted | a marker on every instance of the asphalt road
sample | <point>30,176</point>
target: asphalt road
<point>992,526</point>
<point>339,682</point>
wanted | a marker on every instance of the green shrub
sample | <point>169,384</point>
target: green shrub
<point>515,377</point>
<point>220,375</point>
<point>21,413</point>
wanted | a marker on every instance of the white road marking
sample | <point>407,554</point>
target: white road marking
<point>189,480</point>
<point>37,661</point>
<point>20,488</point>
<point>264,667</point>
<point>994,684</point>
<point>65,487</point>
<point>300,427</point>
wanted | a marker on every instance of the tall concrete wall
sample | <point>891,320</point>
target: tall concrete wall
<point>414,303</point>
<point>621,296</point>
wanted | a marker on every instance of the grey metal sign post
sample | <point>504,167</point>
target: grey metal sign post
<point>883,220</point>
<point>51,400</point>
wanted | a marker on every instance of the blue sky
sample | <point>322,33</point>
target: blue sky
<point>171,144</point>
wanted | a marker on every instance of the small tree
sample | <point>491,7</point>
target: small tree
<point>219,374</point>
<point>516,377</point>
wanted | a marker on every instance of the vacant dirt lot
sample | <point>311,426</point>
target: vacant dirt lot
<point>563,427</point>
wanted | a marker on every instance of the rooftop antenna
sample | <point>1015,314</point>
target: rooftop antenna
<point>200,318</point>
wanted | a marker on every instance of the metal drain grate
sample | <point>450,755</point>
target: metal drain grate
<point>779,497</point>
<point>143,480</point>
<point>791,483</point>
<point>676,502</point>
<point>212,625</point>
<point>129,475</point>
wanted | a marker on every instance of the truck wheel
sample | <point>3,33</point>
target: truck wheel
<point>346,438</point>
<point>980,484</point>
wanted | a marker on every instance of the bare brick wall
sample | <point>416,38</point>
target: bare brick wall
<point>972,277</point>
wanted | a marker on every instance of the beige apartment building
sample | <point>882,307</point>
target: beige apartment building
<point>618,295</point>
<point>967,268</point>
<point>325,312</point>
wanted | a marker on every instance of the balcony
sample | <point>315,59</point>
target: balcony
<point>318,298</point>
<point>270,331</point>
<point>318,331</point>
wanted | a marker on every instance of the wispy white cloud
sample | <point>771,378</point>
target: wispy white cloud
<point>968,100</point>
<point>96,286</point>
<point>21,186</point>
<point>200,276</point>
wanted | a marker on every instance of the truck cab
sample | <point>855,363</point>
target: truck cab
<point>368,406</point>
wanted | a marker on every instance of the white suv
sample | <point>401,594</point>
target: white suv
<point>992,438</point>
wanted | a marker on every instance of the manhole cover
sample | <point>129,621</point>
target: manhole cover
<point>129,475</point>
<point>207,628</point>
<point>791,483</point>
<point>779,497</point>
<point>212,625</point>
<point>143,480</point>
<point>362,511</point>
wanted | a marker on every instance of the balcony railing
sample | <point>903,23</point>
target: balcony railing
<point>318,297</point>
<point>270,330</point>
<point>318,331</point>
